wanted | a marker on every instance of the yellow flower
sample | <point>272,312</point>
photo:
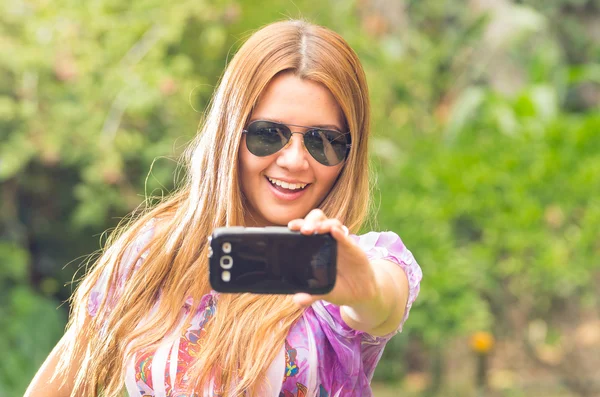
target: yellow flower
<point>482,342</point>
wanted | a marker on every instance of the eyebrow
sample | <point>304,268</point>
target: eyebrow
<point>328,127</point>
<point>323,126</point>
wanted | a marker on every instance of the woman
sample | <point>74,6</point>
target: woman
<point>145,318</point>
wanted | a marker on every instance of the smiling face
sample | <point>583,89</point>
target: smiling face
<point>272,185</point>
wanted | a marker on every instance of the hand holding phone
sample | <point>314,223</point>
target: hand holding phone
<point>271,260</point>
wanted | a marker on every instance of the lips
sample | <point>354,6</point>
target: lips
<point>286,194</point>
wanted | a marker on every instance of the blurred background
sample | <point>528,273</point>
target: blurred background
<point>486,142</point>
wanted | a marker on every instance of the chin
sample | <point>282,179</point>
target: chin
<point>281,220</point>
<point>282,217</point>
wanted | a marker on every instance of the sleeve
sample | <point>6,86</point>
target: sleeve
<point>112,290</point>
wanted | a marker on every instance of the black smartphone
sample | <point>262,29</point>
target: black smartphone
<point>271,260</point>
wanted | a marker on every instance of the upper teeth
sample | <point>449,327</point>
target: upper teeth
<point>285,185</point>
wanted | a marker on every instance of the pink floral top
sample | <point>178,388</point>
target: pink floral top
<point>322,356</point>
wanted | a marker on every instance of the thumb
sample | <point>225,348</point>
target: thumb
<point>304,300</point>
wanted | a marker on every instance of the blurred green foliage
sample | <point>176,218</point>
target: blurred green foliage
<point>486,141</point>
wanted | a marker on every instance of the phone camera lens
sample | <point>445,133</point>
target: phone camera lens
<point>226,262</point>
<point>226,276</point>
<point>226,248</point>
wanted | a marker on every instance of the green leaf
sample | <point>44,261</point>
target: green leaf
<point>14,261</point>
<point>463,111</point>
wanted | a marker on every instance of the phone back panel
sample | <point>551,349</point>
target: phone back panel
<point>271,260</point>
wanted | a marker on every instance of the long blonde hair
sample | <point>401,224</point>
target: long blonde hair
<point>210,196</point>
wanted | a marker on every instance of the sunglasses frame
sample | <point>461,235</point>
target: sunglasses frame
<point>308,129</point>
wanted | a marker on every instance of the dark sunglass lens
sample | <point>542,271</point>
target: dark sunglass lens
<point>265,138</point>
<point>328,147</point>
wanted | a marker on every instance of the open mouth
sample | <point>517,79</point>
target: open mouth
<point>287,187</point>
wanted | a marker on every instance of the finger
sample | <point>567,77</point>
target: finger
<point>346,230</point>
<point>341,234</point>
<point>305,300</point>
<point>295,224</point>
<point>312,220</point>
<point>328,224</point>
<point>316,213</point>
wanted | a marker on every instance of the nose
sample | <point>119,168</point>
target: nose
<point>293,156</point>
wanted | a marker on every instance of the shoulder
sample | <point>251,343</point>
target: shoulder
<point>120,261</point>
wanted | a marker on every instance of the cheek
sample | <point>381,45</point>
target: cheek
<point>251,167</point>
<point>247,161</point>
<point>328,176</point>
<point>245,167</point>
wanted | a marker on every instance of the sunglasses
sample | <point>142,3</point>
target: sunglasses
<point>328,147</point>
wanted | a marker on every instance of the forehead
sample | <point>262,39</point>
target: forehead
<point>291,99</point>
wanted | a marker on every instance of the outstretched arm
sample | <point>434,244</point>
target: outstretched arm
<point>382,313</point>
<point>372,295</point>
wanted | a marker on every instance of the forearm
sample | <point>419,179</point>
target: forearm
<point>382,313</point>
